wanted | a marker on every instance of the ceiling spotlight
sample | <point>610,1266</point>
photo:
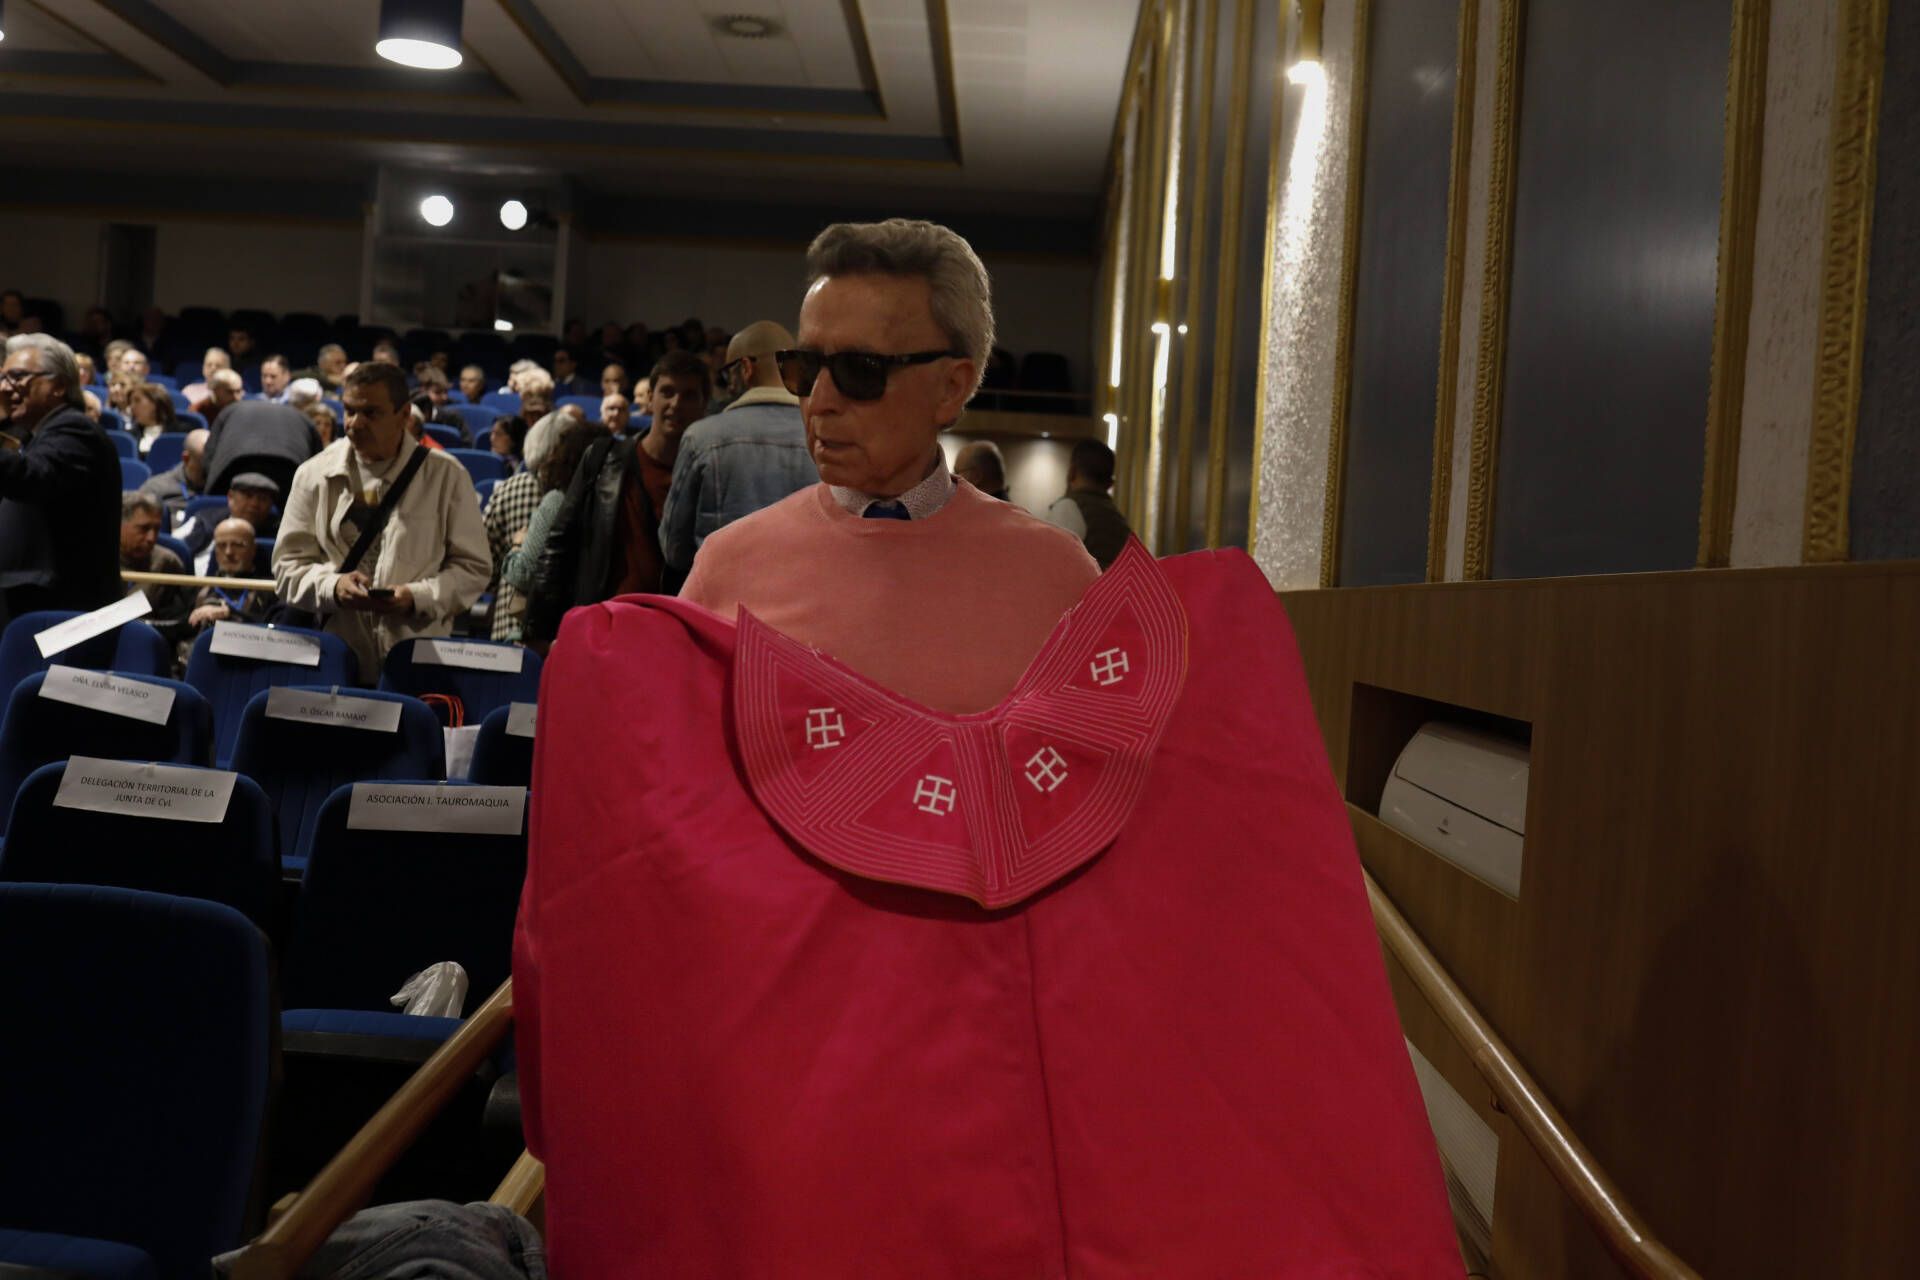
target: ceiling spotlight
<point>503,326</point>
<point>420,33</point>
<point>437,210</point>
<point>513,215</point>
<point>1181,329</point>
<point>3,18</point>
<point>1306,67</point>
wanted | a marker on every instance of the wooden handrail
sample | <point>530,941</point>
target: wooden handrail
<point>342,1187</point>
<point>144,578</point>
<point>1572,1165</point>
<point>523,1186</point>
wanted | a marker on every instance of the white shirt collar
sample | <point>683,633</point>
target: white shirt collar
<point>921,501</point>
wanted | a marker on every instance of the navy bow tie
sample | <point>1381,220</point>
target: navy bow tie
<point>886,511</point>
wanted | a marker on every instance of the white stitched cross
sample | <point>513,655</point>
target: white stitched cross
<point>1047,769</point>
<point>1109,666</point>
<point>825,728</point>
<point>935,795</point>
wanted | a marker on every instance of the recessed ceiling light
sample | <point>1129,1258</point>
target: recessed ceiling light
<point>437,210</point>
<point>513,215</point>
<point>420,33</point>
<point>503,326</point>
<point>746,26</point>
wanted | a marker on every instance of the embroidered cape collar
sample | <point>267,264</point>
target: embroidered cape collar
<point>995,806</point>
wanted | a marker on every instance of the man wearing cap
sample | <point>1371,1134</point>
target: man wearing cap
<point>251,497</point>
<point>748,456</point>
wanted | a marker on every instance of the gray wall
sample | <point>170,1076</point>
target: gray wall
<point>1398,291</point>
<point>1885,510</point>
<point>1610,320</point>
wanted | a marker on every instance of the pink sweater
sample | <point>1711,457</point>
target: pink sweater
<point>947,611</point>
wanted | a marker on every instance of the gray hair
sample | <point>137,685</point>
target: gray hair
<point>962,292</point>
<point>56,360</point>
<point>134,500</point>
<point>303,392</point>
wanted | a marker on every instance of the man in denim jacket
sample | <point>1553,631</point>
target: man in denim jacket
<point>734,463</point>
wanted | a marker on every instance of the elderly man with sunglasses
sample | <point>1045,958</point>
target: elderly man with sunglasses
<point>890,564</point>
<point>59,486</point>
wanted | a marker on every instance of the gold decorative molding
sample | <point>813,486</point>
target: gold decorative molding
<point>1266,287</point>
<point>1446,399</point>
<point>1490,368</point>
<point>1226,294</point>
<point>1200,146</point>
<point>1733,290</point>
<point>1843,276</point>
<point>1349,274</point>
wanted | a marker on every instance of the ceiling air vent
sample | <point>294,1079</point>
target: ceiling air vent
<point>746,26</point>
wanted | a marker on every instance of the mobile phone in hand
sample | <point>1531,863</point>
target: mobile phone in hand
<point>380,593</point>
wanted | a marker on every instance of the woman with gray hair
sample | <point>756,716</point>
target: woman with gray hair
<point>59,486</point>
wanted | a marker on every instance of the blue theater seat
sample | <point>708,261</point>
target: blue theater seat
<point>40,730</point>
<point>110,419</point>
<point>446,437</point>
<point>500,759</point>
<point>180,549</point>
<point>263,557</point>
<point>230,861</point>
<point>483,489</point>
<point>164,453</point>
<point>136,1061</point>
<point>589,405</point>
<point>206,502</point>
<point>180,403</point>
<point>299,765</point>
<point>133,648</point>
<point>124,444</point>
<point>229,683</point>
<point>188,420</point>
<point>478,417</point>
<point>481,464</point>
<point>501,401</point>
<point>479,691</point>
<point>133,473</point>
<point>166,380</point>
<point>379,906</point>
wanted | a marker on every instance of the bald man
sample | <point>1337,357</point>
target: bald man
<point>747,457</point>
<point>184,481</point>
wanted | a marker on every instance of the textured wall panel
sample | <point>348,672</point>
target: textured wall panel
<point>1610,327</point>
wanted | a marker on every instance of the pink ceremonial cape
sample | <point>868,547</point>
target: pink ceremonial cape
<point>819,983</point>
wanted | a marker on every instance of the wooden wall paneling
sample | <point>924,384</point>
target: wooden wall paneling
<point>1712,958</point>
<point>1458,197</point>
<point>1349,272</point>
<point>1490,365</point>
<point>1226,292</point>
<point>1198,338</point>
<point>1274,172</point>
<point>1733,293</point>
<point>1843,275</point>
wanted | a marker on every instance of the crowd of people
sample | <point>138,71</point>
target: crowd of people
<point>612,482</point>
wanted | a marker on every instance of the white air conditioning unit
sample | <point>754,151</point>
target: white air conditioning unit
<point>1463,794</point>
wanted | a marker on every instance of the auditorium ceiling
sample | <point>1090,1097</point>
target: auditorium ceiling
<point>969,103</point>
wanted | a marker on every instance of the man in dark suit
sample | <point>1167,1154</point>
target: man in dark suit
<point>59,486</point>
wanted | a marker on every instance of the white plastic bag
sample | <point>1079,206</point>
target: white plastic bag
<point>438,991</point>
<point>460,751</point>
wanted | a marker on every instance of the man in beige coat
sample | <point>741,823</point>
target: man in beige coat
<point>427,566</point>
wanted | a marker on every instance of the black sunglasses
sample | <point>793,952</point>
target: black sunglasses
<point>860,375</point>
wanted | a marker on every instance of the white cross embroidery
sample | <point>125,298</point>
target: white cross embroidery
<point>1047,769</point>
<point>1109,666</point>
<point>935,795</point>
<point>825,728</point>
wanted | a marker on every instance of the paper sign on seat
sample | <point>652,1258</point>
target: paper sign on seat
<point>520,719</point>
<point>346,710</point>
<point>169,791</point>
<point>264,644</point>
<point>431,806</point>
<point>102,691</point>
<point>62,636</point>
<point>466,653</point>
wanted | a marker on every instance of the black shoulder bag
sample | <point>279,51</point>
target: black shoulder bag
<point>287,615</point>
